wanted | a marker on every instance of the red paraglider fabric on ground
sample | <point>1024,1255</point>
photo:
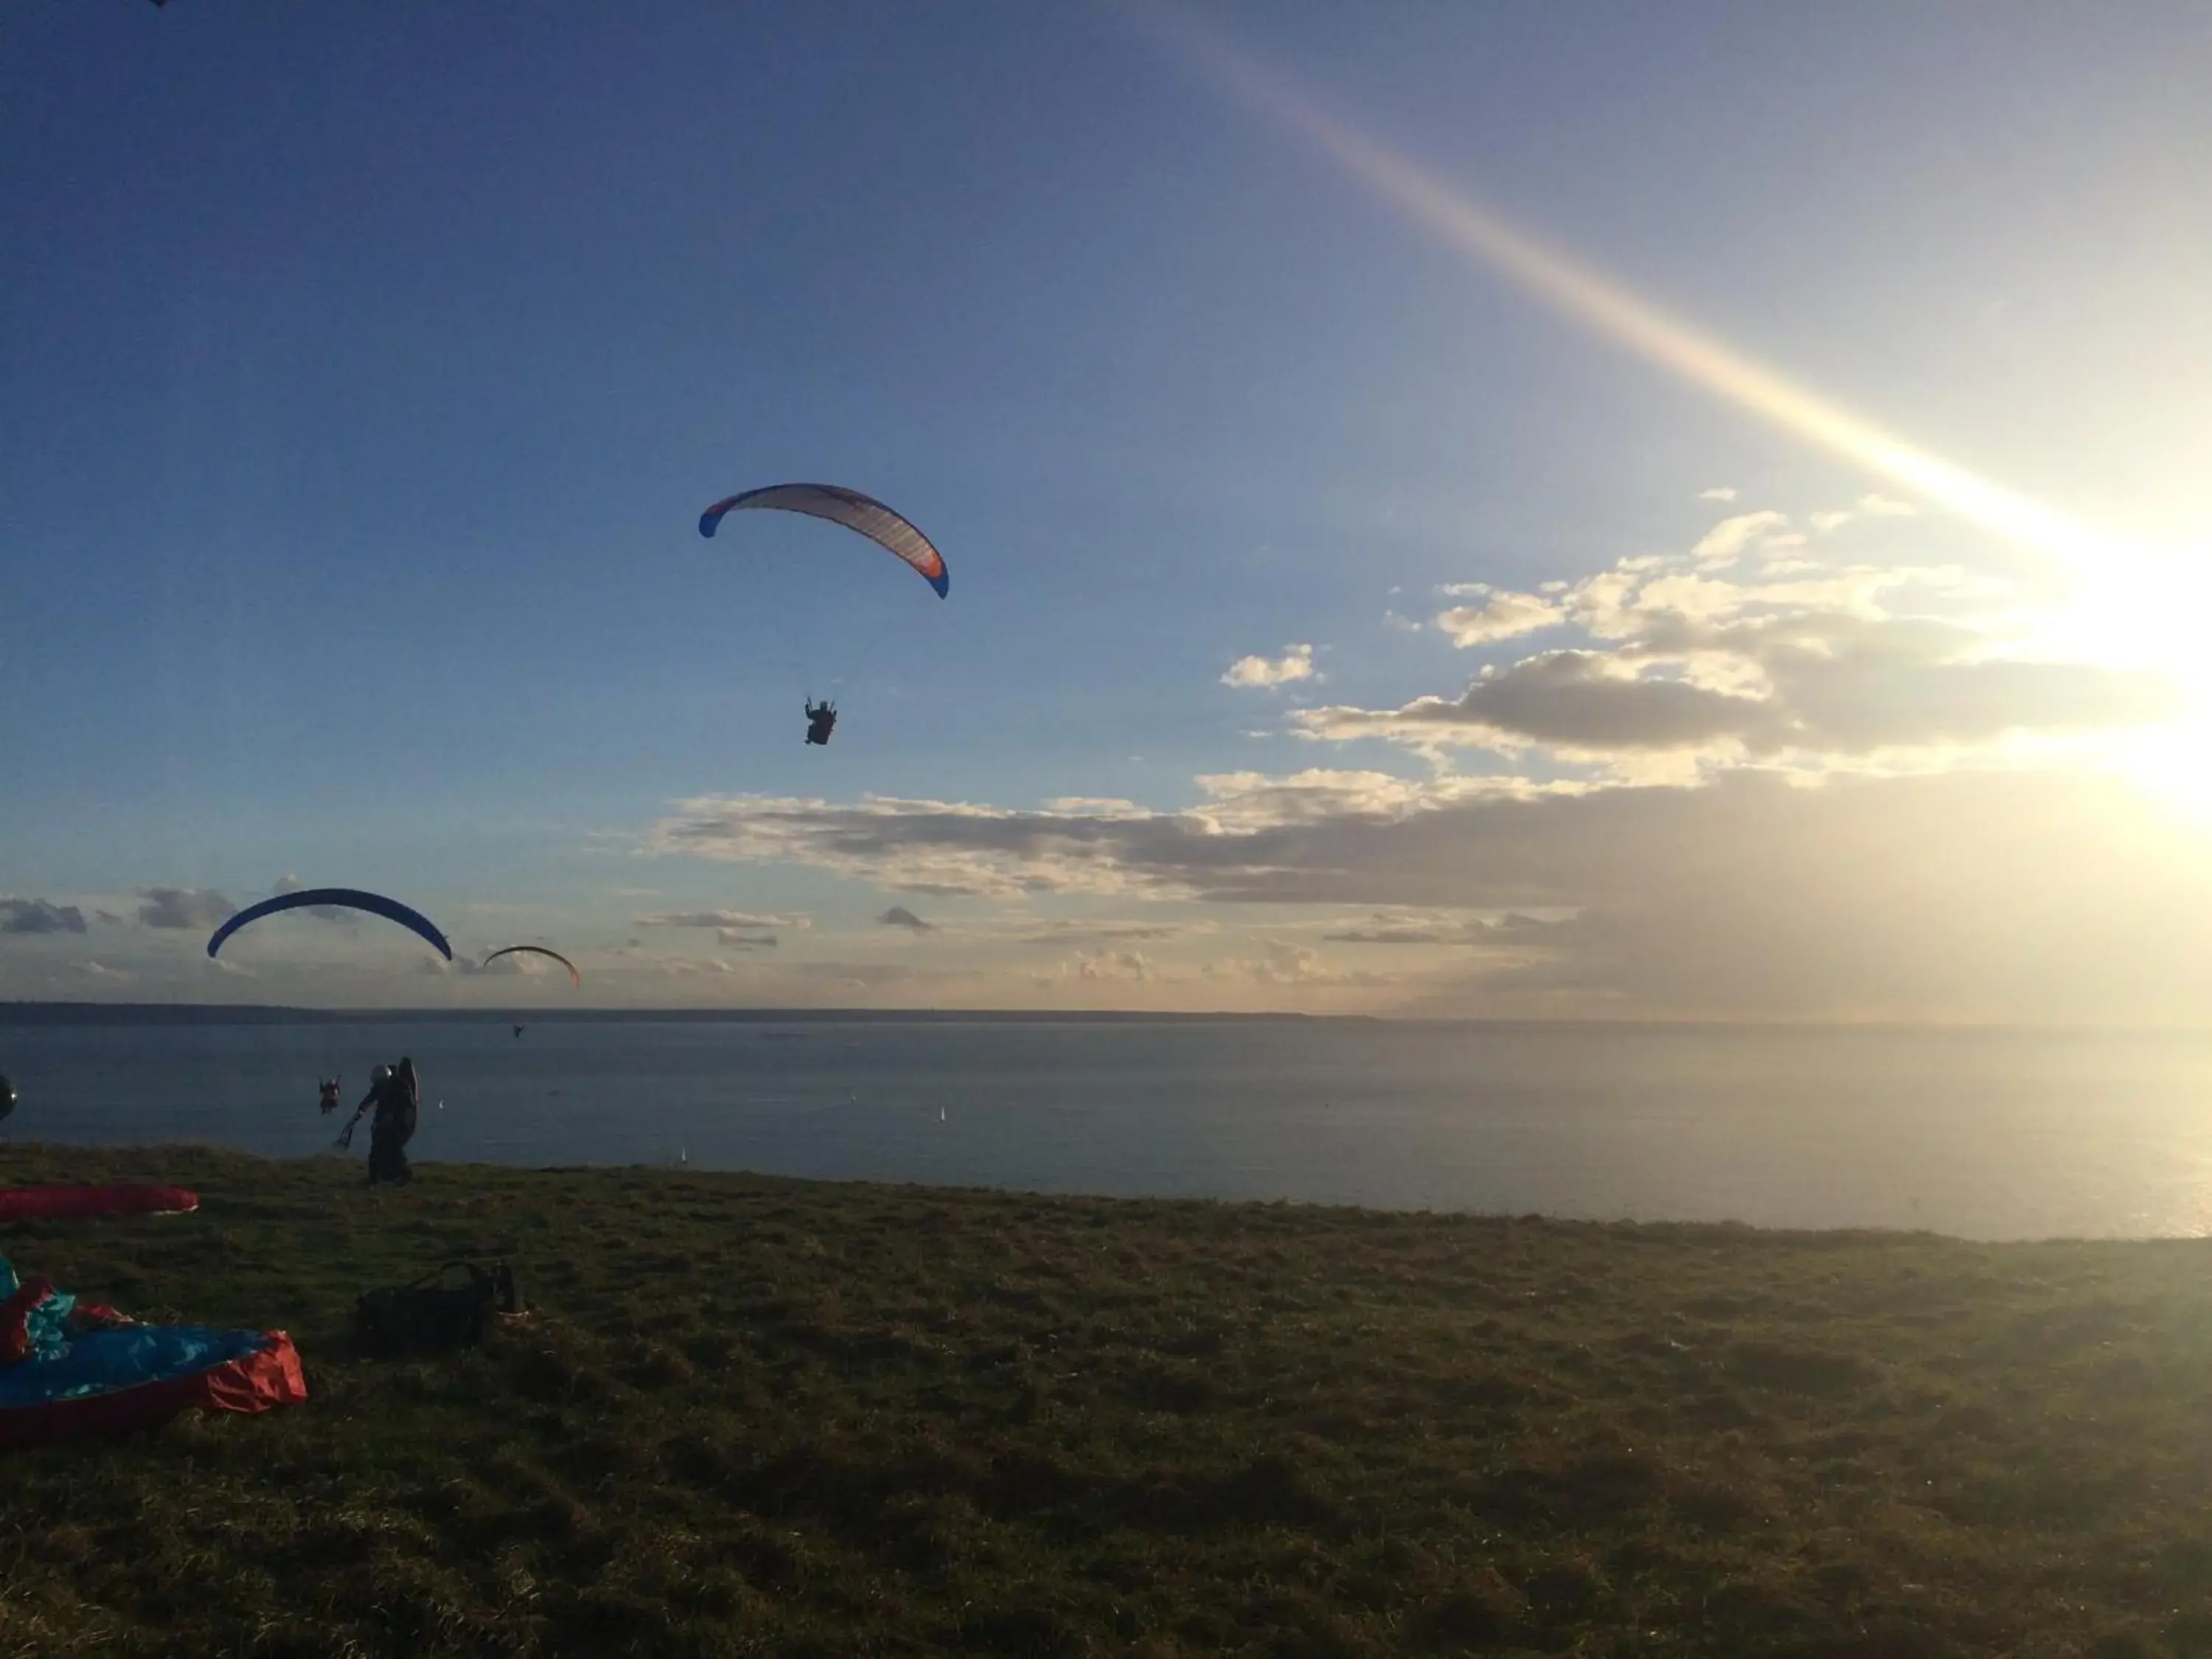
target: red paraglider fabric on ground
<point>15,1318</point>
<point>257,1381</point>
<point>85,1203</point>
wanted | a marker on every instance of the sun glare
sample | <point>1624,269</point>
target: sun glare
<point>2143,608</point>
<point>2136,606</point>
<point>2175,759</point>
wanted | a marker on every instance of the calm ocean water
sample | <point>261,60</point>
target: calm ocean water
<point>1992,1135</point>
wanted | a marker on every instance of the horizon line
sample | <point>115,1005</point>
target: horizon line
<point>43,1012</point>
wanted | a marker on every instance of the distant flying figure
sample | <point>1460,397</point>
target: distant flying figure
<point>821,720</point>
<point>518,1030</point>
<point>330,1095</point>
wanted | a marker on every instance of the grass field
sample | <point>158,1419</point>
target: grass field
<point>762,1416</point>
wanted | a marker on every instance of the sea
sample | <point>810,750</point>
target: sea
<point>1991,1134</point>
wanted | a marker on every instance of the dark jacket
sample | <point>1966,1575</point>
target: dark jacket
<point>399,1104</point>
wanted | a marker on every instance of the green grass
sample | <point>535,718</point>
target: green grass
<point>761,1416</point>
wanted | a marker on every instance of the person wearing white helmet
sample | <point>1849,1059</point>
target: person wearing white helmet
<point>392,1094</point>
<point>398,1104</point>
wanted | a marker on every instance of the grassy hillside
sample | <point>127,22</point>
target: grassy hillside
<point>759,1416</point>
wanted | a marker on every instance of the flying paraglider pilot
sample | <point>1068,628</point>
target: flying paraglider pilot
<point>821,720</point>
<point>330,1095</point>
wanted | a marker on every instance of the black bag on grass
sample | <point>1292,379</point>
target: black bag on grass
<point>432,1315</point>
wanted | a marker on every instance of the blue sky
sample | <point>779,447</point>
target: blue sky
<point>364,370</point>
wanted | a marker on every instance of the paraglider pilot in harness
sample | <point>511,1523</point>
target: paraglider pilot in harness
<point>396,1095</point>
<point>821,719</point>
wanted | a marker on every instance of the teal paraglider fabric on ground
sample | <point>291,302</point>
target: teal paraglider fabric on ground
<point>69,1367</point>
<point>101,1361</point>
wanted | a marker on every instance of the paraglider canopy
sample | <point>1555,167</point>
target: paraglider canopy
<point>575,977</point>
<point>344,898</point>
<point>889,530</point>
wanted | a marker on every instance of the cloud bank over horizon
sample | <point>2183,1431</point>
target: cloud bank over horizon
<point>1749,647</point>
<point>1755,895</point>
<point>1770,776</point>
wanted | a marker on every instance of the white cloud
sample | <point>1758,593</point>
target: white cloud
<point>1834,685</point>
<point>1578,702</point>
<point>1387,933</point>
<point>1731,538</point>
<point>1237,802</point>
<point>1829,660</point>
<point>735,922</point>
<point>1285,964</point>
<point>1102,806</point>
<point>1717,493</point>
<point>1754,893</point>
<point>945,848</point>
<point>185,907</point>
<point>1500,616</point>
<point>1112,964</point>
<point>1066,935</point>
<point>1295,664</point>
<point>1867,507</point>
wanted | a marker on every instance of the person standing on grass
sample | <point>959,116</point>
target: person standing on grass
<point>395,1096</point>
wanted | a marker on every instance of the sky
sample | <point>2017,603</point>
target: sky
<point>1546,512</point>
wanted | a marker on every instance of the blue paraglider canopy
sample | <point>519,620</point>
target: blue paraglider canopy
<point>346,897</point>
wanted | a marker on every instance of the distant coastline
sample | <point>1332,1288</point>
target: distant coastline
<point>218,1013</point>
<point>223,1013</point>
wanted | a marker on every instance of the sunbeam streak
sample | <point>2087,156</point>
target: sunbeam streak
<point>1576,291</point>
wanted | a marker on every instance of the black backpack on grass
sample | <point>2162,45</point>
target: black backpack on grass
<point>430,1316</point>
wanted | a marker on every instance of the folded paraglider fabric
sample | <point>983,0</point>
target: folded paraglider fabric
<point>84,1203</point>
<point>68,1367</point>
